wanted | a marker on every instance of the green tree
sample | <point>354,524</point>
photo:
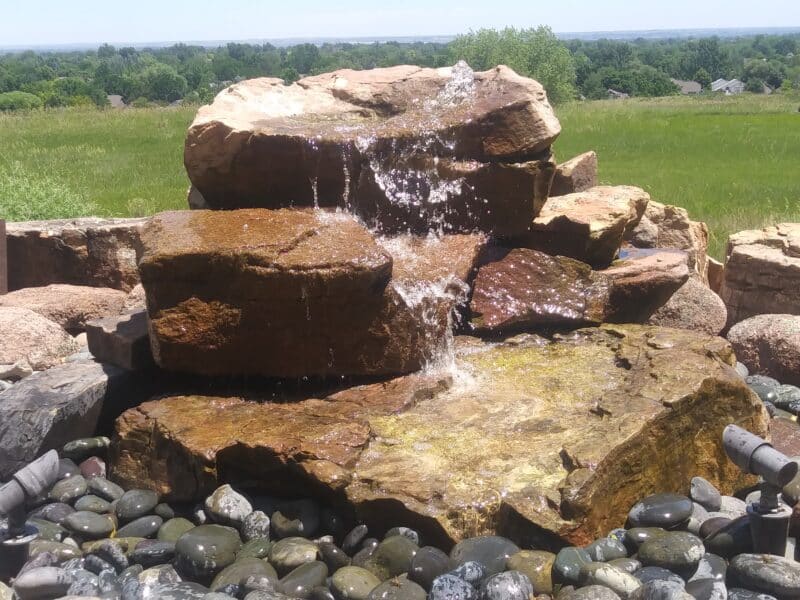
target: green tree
<point>534,53</point>
<point>162,82</point>
<point>19,101</point>
<point>702,77</point>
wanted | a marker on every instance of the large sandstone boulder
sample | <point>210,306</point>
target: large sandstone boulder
<point>407,148</point>
<point>694,306</point>
<point>529,445</point>
<point>87,251</point>
<point>578,174</point>
<point>665,226</point>
<point>30,342</point>
<point>769,345</point>
<point>762,272</point>
<point>588,226</point>
<point>71,306</point>
<point>291,293</point>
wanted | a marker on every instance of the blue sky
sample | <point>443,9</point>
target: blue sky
<point>32,22</point>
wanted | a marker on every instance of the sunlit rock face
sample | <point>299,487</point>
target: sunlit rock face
<point>406,148</point>
<point>294,293</point>
<point>546,442</point>
<point>762,272</point>
<point>588,225</point>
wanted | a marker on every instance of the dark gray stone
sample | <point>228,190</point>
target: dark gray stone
<point>52,407</point>
<point>238,572</point>
<point>660,510</point>
<point>508,585</point>
<point>121,340</point>
<point>450,587</point>
<point>144,527</point>
<point>705,494</point>
<point>606,549</point>
<point>90,525</point>
<point>392,557</point>
<point>353,583</point>
<point>300,581</point>
<point>678,551</point>
<point>150,553</point>
<point>205,550</point>
<point>766,574</point>
<point>568,563</point>
<point>289,553</point>
<point>135,504</point>
<point>491,551</point>
<point>427,565</point>
<point>398,588</point>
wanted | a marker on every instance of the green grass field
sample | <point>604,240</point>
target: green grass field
<point>732,162</point>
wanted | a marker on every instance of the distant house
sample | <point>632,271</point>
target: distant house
<point>116,101</point>
<point>688,87</point>
<point>727,87</point>
<point>615,95</point>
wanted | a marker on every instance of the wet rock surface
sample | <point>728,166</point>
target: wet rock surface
<point>321,289</point>
<point>349,129</point>
<point>356,441</point>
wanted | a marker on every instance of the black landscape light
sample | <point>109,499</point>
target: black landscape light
<point>16,537</point>
<point>769,517</point>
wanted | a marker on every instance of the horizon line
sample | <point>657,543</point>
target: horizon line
<point>381,38</point>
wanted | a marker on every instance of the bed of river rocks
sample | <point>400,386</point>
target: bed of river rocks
<point>98,540</point>
<point>396,351</point>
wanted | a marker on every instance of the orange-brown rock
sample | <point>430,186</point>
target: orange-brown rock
<point>523,290</point>
<point>762,272</point>
<point>642,281</point>
<point>365,138</point>
<point>578,174</point>
<point>665,226</point>
<point>86,251</point>
<point>588,226</point>
<point>291,293</point>
<point>452,196</point>
<point>71,306</point>
<point>528,444</point>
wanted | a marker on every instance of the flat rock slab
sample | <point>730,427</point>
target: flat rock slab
<point>407,148</point>
<point>30,342</point>
<point>526,443</point>
<point>291,293</point>
<point>589,225</point>
<point>68,305</point>
<point>762,272</point>
<point>122,340</point>
<point>86,251</point>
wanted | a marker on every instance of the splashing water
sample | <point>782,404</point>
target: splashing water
<point>460,88</point>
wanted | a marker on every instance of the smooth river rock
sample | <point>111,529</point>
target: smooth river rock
<point>767,574</point>
<point>529,412</point>
<point>204,551</point>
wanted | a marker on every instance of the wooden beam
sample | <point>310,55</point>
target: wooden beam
<point>3,258</point>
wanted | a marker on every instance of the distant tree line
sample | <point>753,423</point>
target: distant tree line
<point>568,69</point>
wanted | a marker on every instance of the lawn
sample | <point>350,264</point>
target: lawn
<point>733,162</point>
